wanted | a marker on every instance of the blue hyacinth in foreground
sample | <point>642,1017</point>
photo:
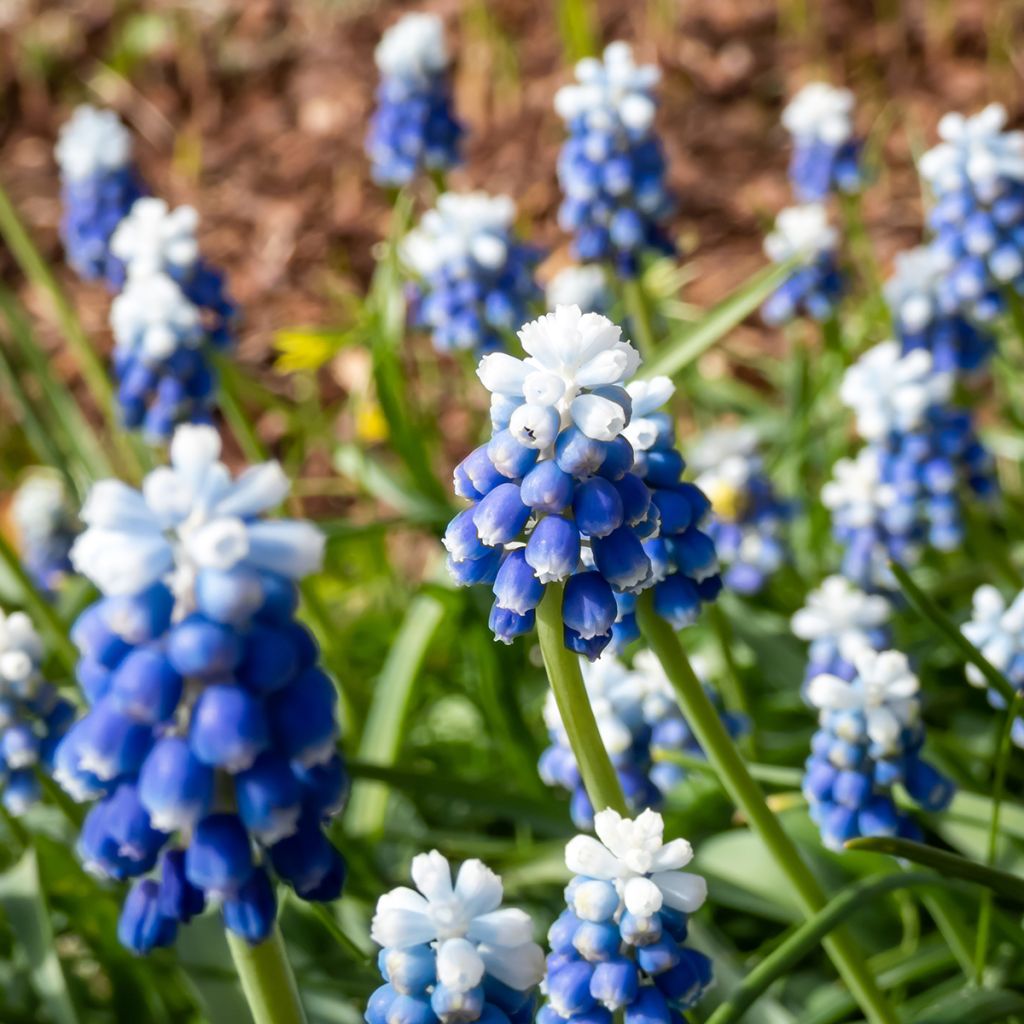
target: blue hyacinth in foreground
<point>611,168</point>
<point>99,184</point>
<point>619,947</point>
<point>413,128</point>
<point>45,526</point>
<point>826,152</point>
<point>33,716</point>
<point>451,953</point>
<point>869,739</point>
<point>210,744</point>
<point>555,497</point>
<point>976,176</point>
<point>475,276</point>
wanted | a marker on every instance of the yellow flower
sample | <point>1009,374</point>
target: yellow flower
<point>371,426</point>
<point>300,350</point>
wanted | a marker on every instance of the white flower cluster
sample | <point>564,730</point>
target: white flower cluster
<point>152,318</point>
<point>890,392</point>
<point>21,652</point>
<point>840,614</point>
<point>469,929</point>
<point>997,630</point>
<point>856,494</point>
<point>633,854</point>
<point>91,143</point>
<point>190,516</point>
<point>153,238</point>
<point>820,112</point>
<point>571,355</point>
<point>611,93</point>
<point>801,232</point>
<point>725,460</point>
<point>585,286</point>
<point>914,290</point>
<point>975,153</point>
<point>413,48</point>
<point>884,691</point>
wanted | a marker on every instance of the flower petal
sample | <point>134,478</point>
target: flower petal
<point>682,890</point>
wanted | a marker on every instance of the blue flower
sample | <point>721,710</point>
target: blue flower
<point>814,288</point>
<point>46,526</point>
<point>620,944</point>
<point>210,744</point>
<point>976,175</point>
<point>826,153</point>
<point>870,738</point>
<point>33,716</point>
<point>413,128</point>
<point>612,168</point>
<point>98,187</point>
<point>451,953</point>
<point>474,277</point>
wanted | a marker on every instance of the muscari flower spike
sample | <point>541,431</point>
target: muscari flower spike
<point>584,286</point>
<point>930,457</point>
<point>815,286</point>
<point>996,628</point>
<point>976,176</point>
<point>45,527</point>
<point>475,277</point>
<point>612,168</point>
<point>927,317</point>
<point>639,721</point>
<point>99,184</point>
<point>837,620</point>
<point>750,519</point>
<point>869,739</point>
<point>33,716</point>
<point>210,743</point>
<point>414,128</point>
<point>619,946</point>
<point>451,953</point>
<point>826,150</point>
<point>555,496</point>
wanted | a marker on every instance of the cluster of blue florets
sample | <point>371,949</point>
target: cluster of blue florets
<point>46,527</point>
<point>612,168</point>
<point>413,128</point>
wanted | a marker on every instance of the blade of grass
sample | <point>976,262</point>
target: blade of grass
<point>978,1006</point>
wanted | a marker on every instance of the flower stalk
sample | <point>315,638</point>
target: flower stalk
<point>267,980</point>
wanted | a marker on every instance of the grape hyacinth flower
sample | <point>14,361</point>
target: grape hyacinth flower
<point>33,716</point>
<point>99,184</point>
<point>976,175</point>
<point>210,743</point>
<point>554,498</point>
<point>927,316</point>
<point>815,286</point>
<point>45,526</point>
<point>837,620</point>
<point>749,518</point>
<point>475,277</point>
<point>451,954</point>
<point>826,152</point>
<point>619,946</point>
<point>413,128</point>
<point>585,286</point>
<point>612,168</point>
<point>869,739</point>
<point>996,628</point>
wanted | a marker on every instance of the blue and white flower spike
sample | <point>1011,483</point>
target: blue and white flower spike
<point>413,129</point>
<point>926,315</point>
<point>826,151</point>
<point>476,279</point>
<point>451,954</point>
<point>211,741</point>
<point>837,620</point>
<point>33,716</point>
<point>816,284</point>
<point>749,521</point>
<point>619,944</point>
<point>584,286</point>
<point>976,176</point>
<point>612,168</point>
<point>99,184</point>
<point>869,739</point>
<point>45,525</point>
<point>996,628</point>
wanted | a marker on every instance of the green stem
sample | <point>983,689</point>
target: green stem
<point>638,306</point>
<point>563,668</point>
<point>267,980</point>
<point>731,684</point>
<point>748,796</point>
<point>998,787</point>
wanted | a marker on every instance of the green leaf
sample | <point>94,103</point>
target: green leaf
<point>976,1006</point>
<point>678,352</point>
<point>23,901</point>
